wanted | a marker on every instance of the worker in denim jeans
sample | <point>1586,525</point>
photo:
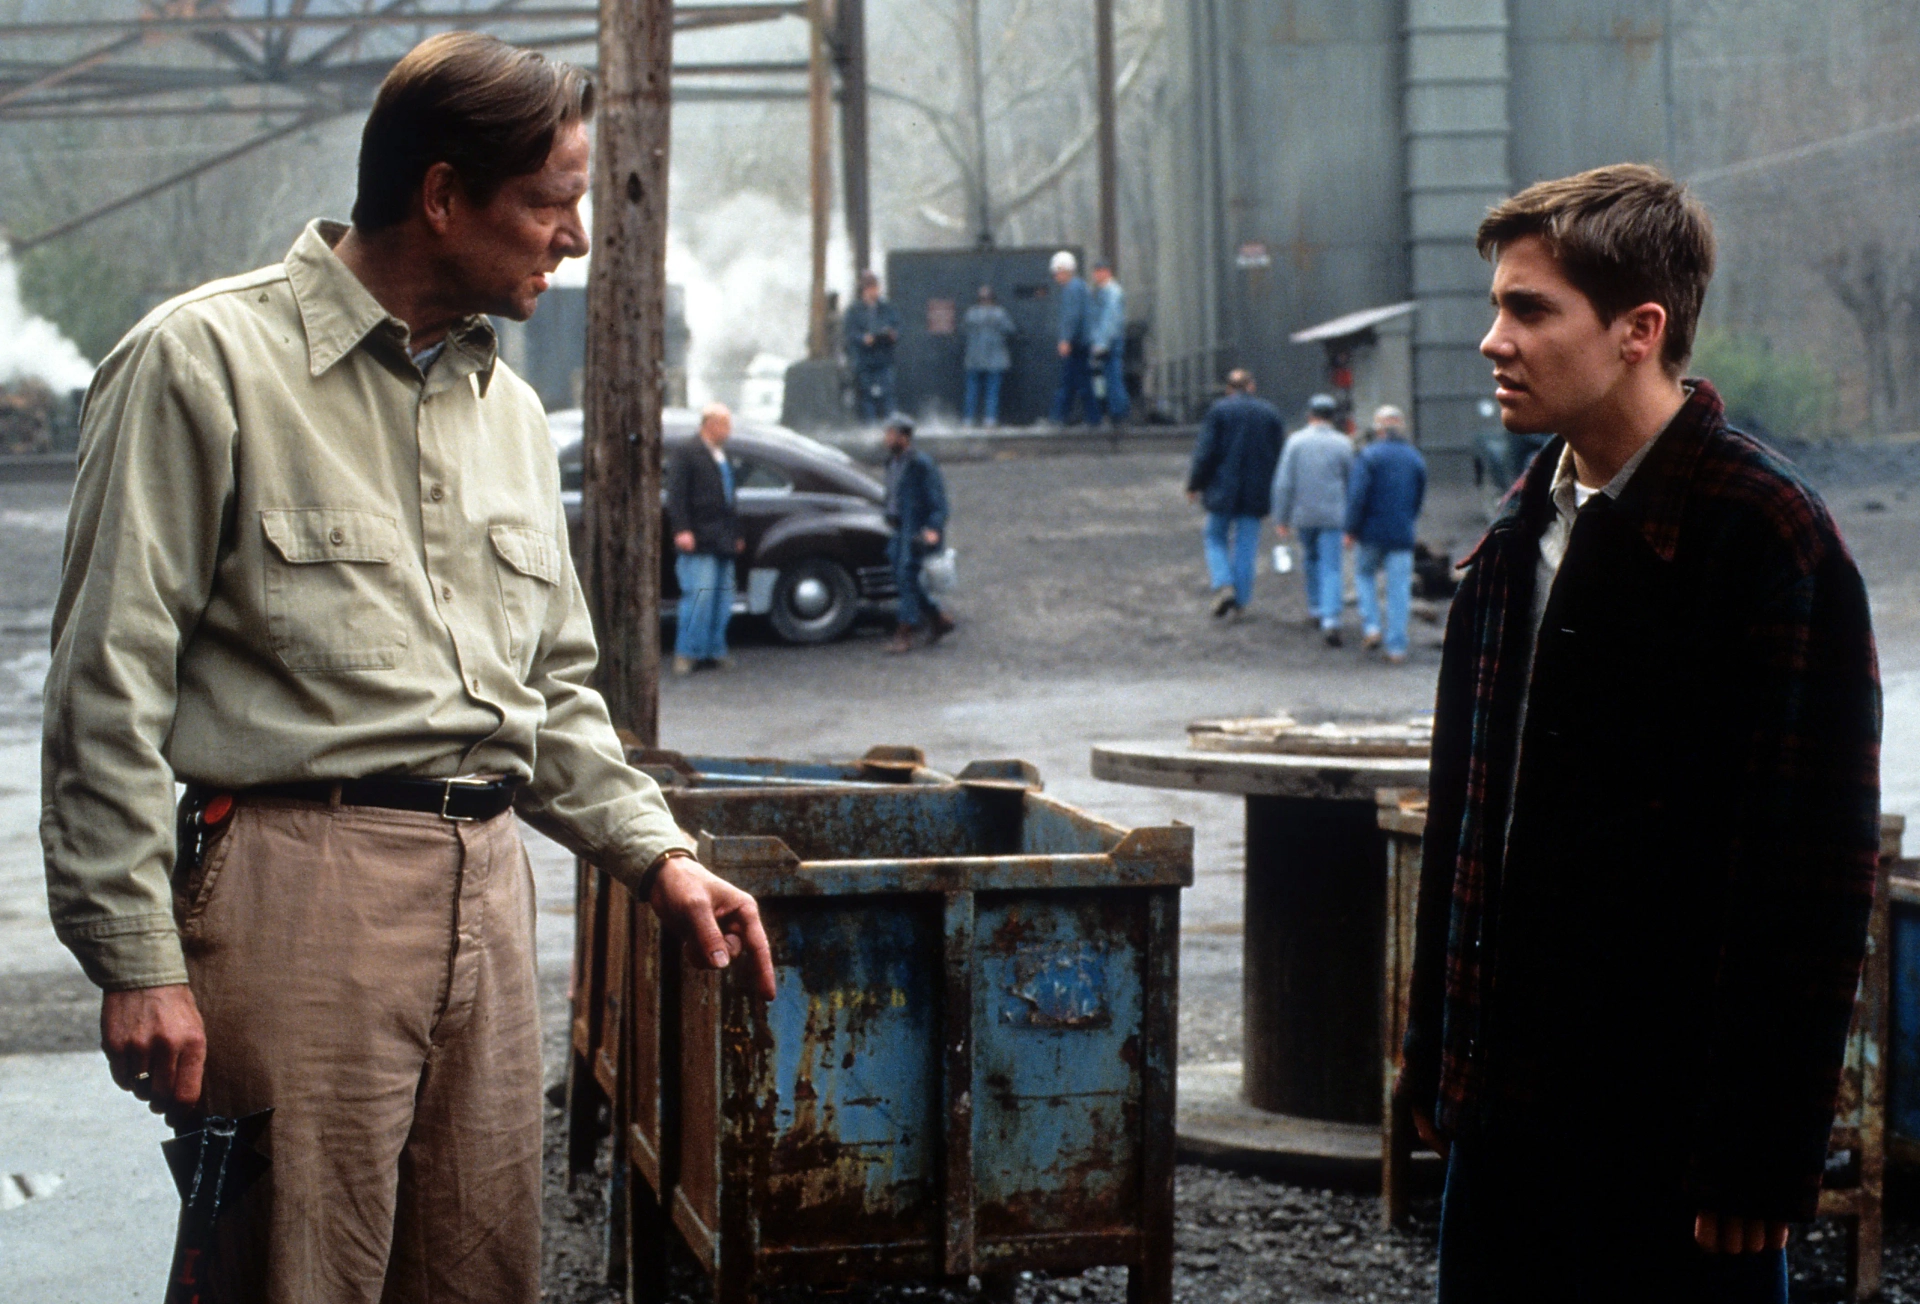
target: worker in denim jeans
<point>1384,492</point>
<point>917,511</point>
<point>701,489</point>
<point>1232,477</point>
<point>1310,500</point>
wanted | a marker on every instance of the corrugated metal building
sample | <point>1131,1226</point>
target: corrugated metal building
<point>1321,156</point>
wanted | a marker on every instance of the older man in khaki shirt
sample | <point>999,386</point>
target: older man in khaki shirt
<point>317,570</point>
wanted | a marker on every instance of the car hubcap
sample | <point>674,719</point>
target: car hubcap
<point>811,598</point>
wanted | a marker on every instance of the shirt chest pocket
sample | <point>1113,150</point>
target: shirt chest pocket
<point>529,573</point>
<point>333,594</point>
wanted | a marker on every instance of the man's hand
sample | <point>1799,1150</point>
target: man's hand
<point>867,339</point>
<point>1193,495</point>
<point>155,1045</point>
<point>1350,542</point>
<point>1423,1124</point>
<point>1065,348</point>
<point>930,537</point>
<point>684,541</point>
<point>1731,1235</point>
<point>1280,532</point>
<point>715,920</point>
<point>739,545</point>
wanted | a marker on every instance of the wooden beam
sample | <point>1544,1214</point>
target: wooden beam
<point>626,356</point>
<point>820,171</point>
<point>685,17</point>
<point>851,54</point>
<point>1109,145</point>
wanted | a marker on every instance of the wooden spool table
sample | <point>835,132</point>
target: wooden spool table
<point>1313,944</point>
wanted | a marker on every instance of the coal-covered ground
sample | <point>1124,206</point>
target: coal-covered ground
<point>1082,619</point>
<point>1084,570</point>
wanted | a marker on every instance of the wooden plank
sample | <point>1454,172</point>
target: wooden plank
<point>1345,779</point>
<point>1150,1279</point>
<point>819,174</point>
<point>1403,829</point>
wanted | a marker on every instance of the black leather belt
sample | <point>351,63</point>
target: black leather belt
<point>453,799</point>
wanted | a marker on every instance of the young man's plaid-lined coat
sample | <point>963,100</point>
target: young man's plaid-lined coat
<point>1669,930</point>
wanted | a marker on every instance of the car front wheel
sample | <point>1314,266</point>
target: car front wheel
<point>814,601</point>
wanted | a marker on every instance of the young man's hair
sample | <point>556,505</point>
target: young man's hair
<point>1624,235</point>
<point>485,108</point>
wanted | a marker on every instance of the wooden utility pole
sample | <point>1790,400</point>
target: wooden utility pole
<point>982,189</point>
<point>626,356</point>
<point>1109,143</point>
<point>851,21</point>
<point>820,168</point>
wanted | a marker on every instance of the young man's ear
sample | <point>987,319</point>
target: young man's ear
<point>1645,334</point>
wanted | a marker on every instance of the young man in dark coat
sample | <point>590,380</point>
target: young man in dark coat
<point>1232,476</point>
<point>701,490</point>
<point>1653,816</point>
<point>917,511</point>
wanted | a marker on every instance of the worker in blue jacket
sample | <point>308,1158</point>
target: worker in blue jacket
<point>871,329</point>
<point>1107,345</point>
<point>1232,477</point>
<point>1385,489</point>
<point>917,511</point>
<point>1075,341</point>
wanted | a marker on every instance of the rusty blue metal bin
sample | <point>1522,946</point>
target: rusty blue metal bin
<point>969,1068</point>
<point>604,958</point>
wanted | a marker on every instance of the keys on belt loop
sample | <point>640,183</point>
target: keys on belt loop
<point>446,798</point>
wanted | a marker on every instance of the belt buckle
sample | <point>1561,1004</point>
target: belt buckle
<point>446,797</point>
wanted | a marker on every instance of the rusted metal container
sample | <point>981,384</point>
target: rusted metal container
<point>605,978</point>
<point>970,1065</point>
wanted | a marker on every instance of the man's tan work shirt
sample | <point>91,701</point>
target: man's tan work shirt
<point>290,556</point>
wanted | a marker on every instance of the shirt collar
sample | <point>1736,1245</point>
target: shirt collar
<point>1651,489</point>
<point>339,313</point>
<point>1565,479</point>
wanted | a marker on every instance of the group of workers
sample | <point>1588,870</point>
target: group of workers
<point>1323,492</point>
<point>317,572</point>
<point>1091,342</point>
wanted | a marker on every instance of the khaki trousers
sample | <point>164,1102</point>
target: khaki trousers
<point>370,974</point>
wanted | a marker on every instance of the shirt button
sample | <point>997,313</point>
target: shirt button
<point>476,683</point>
<point>446,591</point>
<point>337,536</point>
<point>436,493</point>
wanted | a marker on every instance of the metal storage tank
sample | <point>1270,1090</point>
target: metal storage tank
<point>1316,157</point>
<point>1280,200</point>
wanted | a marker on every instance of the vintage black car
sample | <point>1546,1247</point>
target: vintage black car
<point>816,553</point>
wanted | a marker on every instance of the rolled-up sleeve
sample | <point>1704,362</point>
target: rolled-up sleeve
<point>149,506</point>
<point>583,794</point>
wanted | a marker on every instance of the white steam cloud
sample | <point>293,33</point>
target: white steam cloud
<point>33,347</point>
<point>744,267</point>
